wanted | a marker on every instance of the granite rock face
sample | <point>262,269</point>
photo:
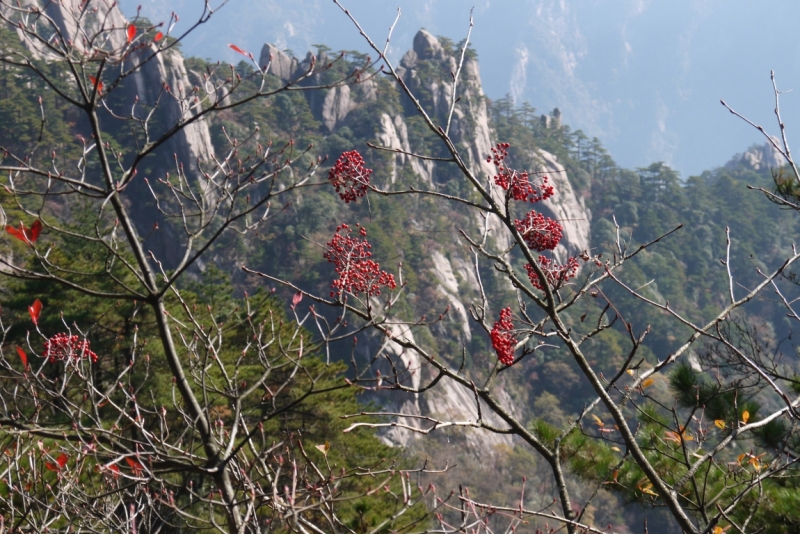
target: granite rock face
<point>280,63</point>
<point>758,157</point>
<point>193,142</point>
<point>426,71</point>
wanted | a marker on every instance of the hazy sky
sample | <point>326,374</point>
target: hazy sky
<point>644,76</point>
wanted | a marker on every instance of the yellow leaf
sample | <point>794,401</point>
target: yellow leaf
<point>324,448</point>
<point>745,416</point>
<point>648,489</point>
<point>597,420</point>
<point>647,383</point>
<point>615,449</point>
<point>630,372</point>
<point>719,423</point>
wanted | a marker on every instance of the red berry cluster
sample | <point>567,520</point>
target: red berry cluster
<point>556,273</point>
<point>539,232</point>
<point>63,347</point>
<point>357,273</point>
<point>518,183</point>
<point>503,338</point>
<point>349,176</point>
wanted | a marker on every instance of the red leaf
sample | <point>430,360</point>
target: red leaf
<point>27,235</point>
<point>51,466</point>
<point>131,32</point>
<point>62,460</point>
<point>237,49</point>
<point>114,470</point>
<point>35,230</point>
<point>96,83</point>
<point>136,466</point>
<point>158,36</point>
<point>296,299</point>
<point>19,234</point>
<point>35,309</point>
<point>22,356</point>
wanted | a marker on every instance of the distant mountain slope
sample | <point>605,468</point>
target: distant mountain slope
<point>646,77</point>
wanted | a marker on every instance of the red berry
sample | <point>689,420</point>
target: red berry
<point>503,338</point>
<point>63,347</point>
<point>539,232</point>
<point>518,183</point>
<point>557,275</point>
<point>349,176</point>
<point>357,272</point>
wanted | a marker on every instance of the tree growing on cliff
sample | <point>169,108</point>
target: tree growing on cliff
<point>134,397</point>
<point>708,455</point>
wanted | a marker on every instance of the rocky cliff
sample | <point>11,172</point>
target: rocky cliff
<point>450,274</point>
<point>162,83</point>
<point>106,24</point>
<point>758,157</point>
<point>447,272</point>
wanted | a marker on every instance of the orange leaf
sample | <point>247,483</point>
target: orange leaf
<point>158,37</point>
<point>239,50</point>
<point>647,383</point>
<point>745,416</point>
<point>597,420</point>
<point>131,32</point>
<point>96,83</point>
<point>35,310</point>
<point>719,423</point>
<point>22,356</point>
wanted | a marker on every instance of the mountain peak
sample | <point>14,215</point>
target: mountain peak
<point>758,157</point>
<point>427,46</point>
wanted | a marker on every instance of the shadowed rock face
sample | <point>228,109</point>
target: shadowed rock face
<point>189,147</point>
<point>280,64</point>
